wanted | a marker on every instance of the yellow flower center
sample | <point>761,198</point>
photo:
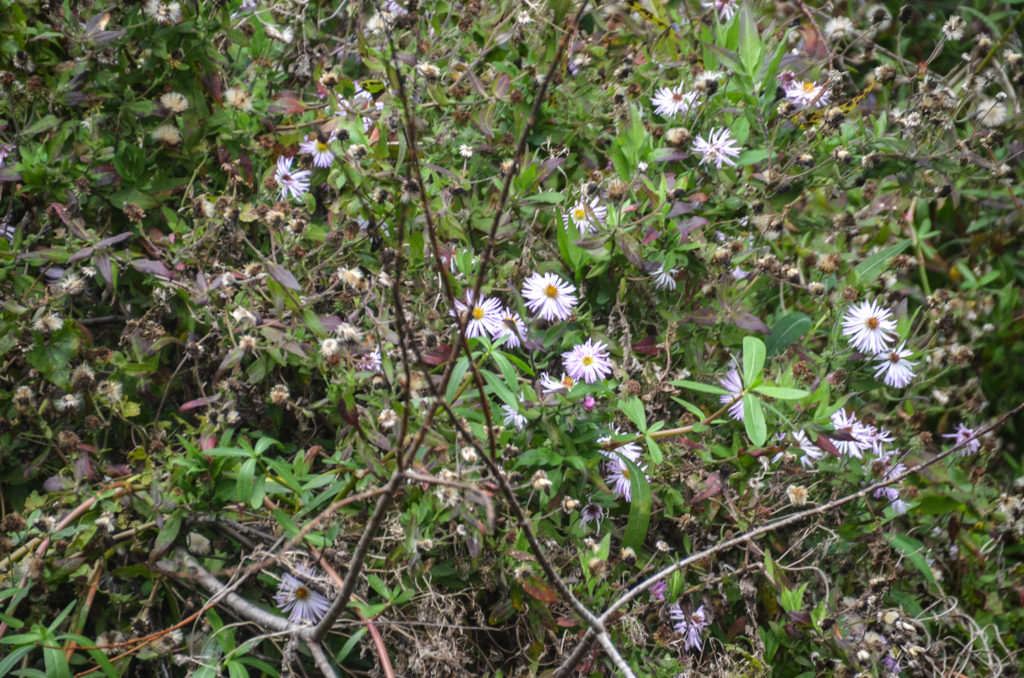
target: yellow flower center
<point>321,146</point>
<point>625,472</point>
<point>567,381</point>
<point>872,323</point>
<point>579,214</point>
<point>301,593</point>
<point>551,291</point>
<point>808,87</point>
<point>478,313</point>
<point>588,360</point>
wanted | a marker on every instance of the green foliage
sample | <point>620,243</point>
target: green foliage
<point>215,364</point>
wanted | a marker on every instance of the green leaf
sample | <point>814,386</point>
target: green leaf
<point>168,533</point>
<point>751,157</point>
<point>639,506</point>
<point>753,359</point>
<point>782,393</point>
<point>549,197</point>
<point>872,267</point>
<point>753,420</point>
<point>634,409</point>
<point>43,124</point>
<point>697,386</point>
<point>913,550</point>
<point>461,366</point>
<point>751,52</point>
<point>787,330</point>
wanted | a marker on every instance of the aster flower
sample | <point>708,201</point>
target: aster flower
<point>370,362</point>
<point>174,102</point>
<point>869,327</point>
<point>839,28</point>
<point>294,182</point>
<point>664,280</point>
<point>657,590</point>
<point>848,424</point>
<point>897,368</point>
<point>631,451</point>
<point>876,439</point>
<point>732,383</point>
<point>690,626</point>
<point>802,93</point>
<point>511,326</point>
<point>166,134</point>
<point>586,216</point>
<point>891,493</point>
<point>588,362</point>
<point>512,417</point>
<point>719,147</point>
<point>811,452</point>
<point>725,8</point>
<point>5,151</point>
<point>484,316</point>
<point>617,475</point>
<point>548,296</point>
<point>591,512</point>
<point>549,384</point>
<point>670,101</point>
<point>320,149</point>
<point>298,599</point>
<point>963,435</point>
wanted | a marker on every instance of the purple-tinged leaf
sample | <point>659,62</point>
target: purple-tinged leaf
<point>749,322</point>
<point>56,484</point>
<point>104,266</point>
<point>283,276</point>
<point>83,469</point>
<point>152,267</point>
<point>113,240</point>
<point>199,402</point>
<point>83,253</point>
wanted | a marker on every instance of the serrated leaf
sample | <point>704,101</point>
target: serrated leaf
<point>872,267</point>
<point>782,393</point>
<point>753,359</point>
<point>753,420</point>
<point>786,331</point>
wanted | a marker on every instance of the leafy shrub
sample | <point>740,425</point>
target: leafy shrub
<point>495,339</point>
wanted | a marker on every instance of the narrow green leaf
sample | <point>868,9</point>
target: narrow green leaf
<point>753,359</point>
<point>167,533</point>
<point>913,550</point>
<point>782,393</point>
<point>697,386</point>
<point>872,267</point>
<point>750,41</point>
<point>787,330</point>
<point>550,197</point>
<point>753,420</point>
<point>456,379</point>
<point>43,124</point>
<point>639,506</point>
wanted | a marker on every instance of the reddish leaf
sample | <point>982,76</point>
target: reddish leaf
<point>647,346</point>
<point>826,444</point>
<point>567,622</point>
<point>712,486</point>
<point>539,589</point>
<point>437,356</point>
<point>199,402</point>
<point>650,236</point>
<point>151,266</point>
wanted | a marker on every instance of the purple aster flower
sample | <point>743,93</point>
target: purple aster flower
<point>732,383</point>
<point>869,327</point>
<point>588,362</point>
<point>962,435</point>
<point>690,626</point>
<point>719,147</point>
<point>591,512</point>
<point>548,296</point>
<point>294,182</point>
<point>298,599</point>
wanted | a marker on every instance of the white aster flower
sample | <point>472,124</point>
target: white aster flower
<point>320,149</point>
<point>588,361</point>
<point>857,434</point>
<point>549,384</point>
<point>953,29</point>
<point>484,316</point>
<point>724,8</point>
<point>167,134</point>
<point>869,327</point>
<point>163,12</point>
<point>549,297</point>
<point>300,601</point>
<point>511,326</point>
<point>512,417</point>
<point>586,216</point>
<point>898,370</point>
<point>803,92</point>
<point>617,476</point>
<point>294,182</point>
<point>664,280</point>
<point>732,383</point>
<point>670,101</point>
<point>629,450</point>
<point>811,452</point>
<point>719,147</point>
